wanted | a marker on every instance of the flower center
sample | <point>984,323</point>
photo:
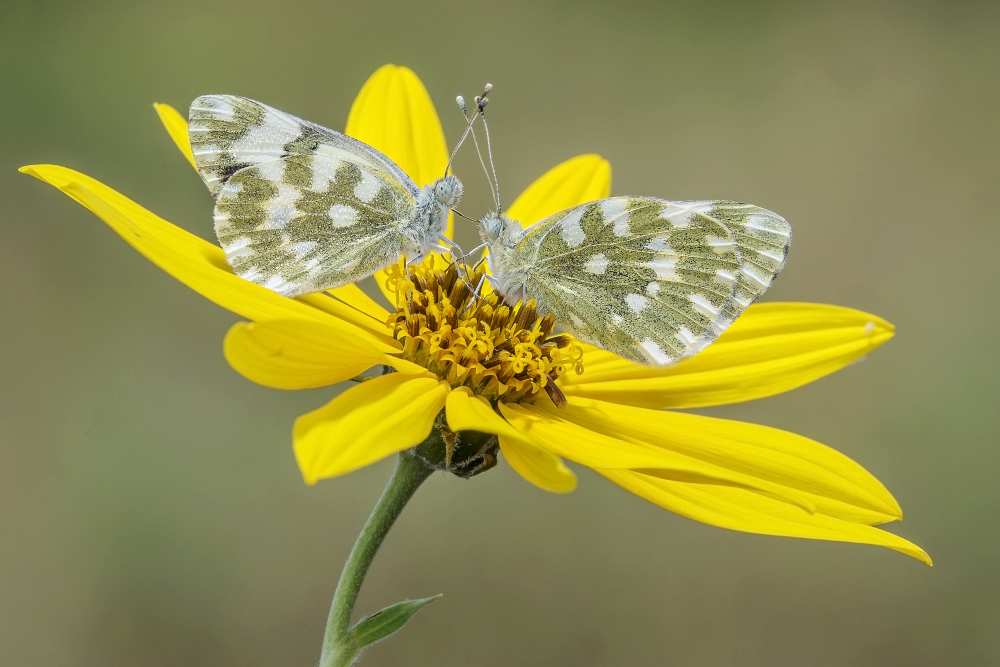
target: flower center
<point>500,351</point>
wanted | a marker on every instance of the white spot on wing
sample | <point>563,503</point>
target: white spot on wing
<point>303,248</point>
<point>653,288</point>
<point>636,302</point>
<point>703,305</point>
<point>773,224</point>
<point>343,216</point>
<point>570,228</point>
<point>719,245</point>
<point>239,248</point>
<point>322,174</point>
<point>686,336</point>
<point>654,352</point>
<point>281,209</point>
<point>272,170</point>
<point>664,267</point>
<point>218,107</point>
<point>725,276</point>
<point>775,257</point>
<point>615,213</point>
<point>597,264</point>
<point>367,187</point>
<point>756,275</point>
<point>659,244</point>
<point>278,284</point>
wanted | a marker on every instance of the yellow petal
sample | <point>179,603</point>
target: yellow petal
<point>771,349</point>
<point>564,437</point>
<point>366,423</point>
<point>177,127</point>
<point>195,262</point>
<point>782,464</point>
<point>576,181</point>
<point>743,510</point>
<point>467,412</point>
<point>300,354</point>
<point>543,469</point>
<point>570,434</point>
<point>394,113</point>
<point>351,304</point>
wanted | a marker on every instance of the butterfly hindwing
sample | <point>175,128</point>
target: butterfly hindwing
<point>763,238</point>
<point>299,207</point>
<point>296,238</point>
<point>649,279</point>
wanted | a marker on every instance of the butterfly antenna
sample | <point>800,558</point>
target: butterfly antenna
<point>462,215</point>
<point>470,121</point>
<point>481,103</point>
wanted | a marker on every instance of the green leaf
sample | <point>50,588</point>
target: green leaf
<point>386,621</point>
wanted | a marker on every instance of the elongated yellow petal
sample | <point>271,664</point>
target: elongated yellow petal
<point>351,304</point>
<point>567,439</point>
<point>771,349</point>
<point>301,354</point>
<point>743,510</point>
<point>355,297</point>
<point>783,464</point>
<point>394,113</point>
<point>576,181</point>
<point>467,412</point>
<point>569,433</point>
<point>195,262</point>
<point>366,423</point>
<point>177,127</point>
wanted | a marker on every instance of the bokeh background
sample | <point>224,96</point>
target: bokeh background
<point>152,510</point>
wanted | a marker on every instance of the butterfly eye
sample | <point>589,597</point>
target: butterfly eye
<point>448,191</point>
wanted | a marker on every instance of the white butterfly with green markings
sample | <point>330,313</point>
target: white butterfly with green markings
<point>651,280</point>
<point>300,208</point>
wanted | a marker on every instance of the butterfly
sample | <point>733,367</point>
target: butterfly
<point>300,208</point>
<point>649,279</point>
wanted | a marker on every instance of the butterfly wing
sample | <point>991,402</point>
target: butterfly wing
<point>299,207</point>
<point>649,279</point>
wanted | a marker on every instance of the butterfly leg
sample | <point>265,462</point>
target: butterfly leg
<point>475,295</point>
<point>452,248</point>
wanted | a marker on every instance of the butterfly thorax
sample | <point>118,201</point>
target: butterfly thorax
<point>431,217</point>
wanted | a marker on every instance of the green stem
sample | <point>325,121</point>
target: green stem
<point>339,649</point>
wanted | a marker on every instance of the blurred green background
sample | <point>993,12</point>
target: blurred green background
<point>152,510</point>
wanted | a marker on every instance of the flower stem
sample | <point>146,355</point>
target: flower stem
<point>339,649</point>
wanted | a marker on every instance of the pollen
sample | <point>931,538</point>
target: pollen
<point>474,338</point>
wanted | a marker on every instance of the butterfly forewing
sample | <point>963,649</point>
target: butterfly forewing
<point>299,207</point>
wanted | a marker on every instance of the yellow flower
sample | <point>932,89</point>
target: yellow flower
<point>491,367</point>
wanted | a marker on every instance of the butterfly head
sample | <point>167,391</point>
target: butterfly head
<point>498,230</point>
<point>448,191</point>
